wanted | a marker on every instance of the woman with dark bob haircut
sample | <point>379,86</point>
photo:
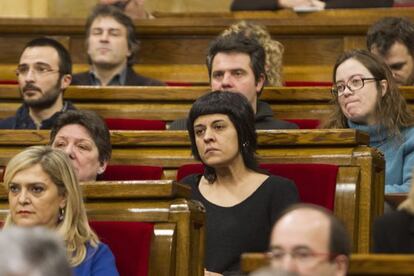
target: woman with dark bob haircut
<point>366,97</point>
<point>241,201</point>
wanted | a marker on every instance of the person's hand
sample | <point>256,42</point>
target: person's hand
<point>209,273</point>
<point>301,3</point>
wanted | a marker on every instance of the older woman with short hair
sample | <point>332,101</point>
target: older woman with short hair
<point>43,190</point>
<point>85,137</point>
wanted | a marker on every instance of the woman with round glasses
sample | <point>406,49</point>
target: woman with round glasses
<point>366,97</point>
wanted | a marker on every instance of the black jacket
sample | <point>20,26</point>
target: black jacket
<point>241,5</point>
<point>263,120</point>
<point>22,119</point>
<point>394,233</point>
<point>132,79</point>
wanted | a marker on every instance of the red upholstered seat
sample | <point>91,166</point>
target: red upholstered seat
<point>305,123</point>
<point>316,183</point>
<point>130,243</point>
<point>2,169</point>
<point>308,83</point>
<point>134,124</point>
<point>132,172</point>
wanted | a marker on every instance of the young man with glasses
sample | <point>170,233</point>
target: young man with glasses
<point>309,240</point>
<point>43,73</point>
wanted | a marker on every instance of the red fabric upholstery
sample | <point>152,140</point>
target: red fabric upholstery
<point>132,172</point>
<point>130,243</point>
<point>178,83</point>
<point>188,169</point>
<point>308,83</point>
<point>2,169</point>
<point>316,183</point>
<point>134,124</point>
<point>305,123</point>
<point>8,82</point>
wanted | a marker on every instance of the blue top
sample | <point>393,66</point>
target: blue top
<point>99,261</point>
<point>399,155</point>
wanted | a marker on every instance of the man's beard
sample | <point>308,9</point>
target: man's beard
<point>46,100</point>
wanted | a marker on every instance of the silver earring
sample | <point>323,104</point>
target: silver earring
<point>61,214</point>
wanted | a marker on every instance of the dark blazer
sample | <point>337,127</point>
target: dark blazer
<point>394,233</point>
<point>132,79</point>
<point>240,5</point>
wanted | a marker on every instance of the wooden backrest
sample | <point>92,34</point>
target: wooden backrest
<point>316,183</point>
<point>196,74</point>
<point>360,180</point>
<point>171,103</point>
<point>177,245</point>
<point>310,38</point>
<point>360,264</point>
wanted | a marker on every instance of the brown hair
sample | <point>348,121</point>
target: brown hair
<point>273,48</point>
<point>391,109</point>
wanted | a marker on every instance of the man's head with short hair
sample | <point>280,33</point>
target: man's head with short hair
<point>110,37</point>
<point>44,72</point>
<point>309,240</point>
<point>392,38</point>
<point>32,252</point>
<point>236,63</point>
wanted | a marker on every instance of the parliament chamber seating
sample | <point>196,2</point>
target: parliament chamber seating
<point>151,226</point>
<point>359,186</point>
<point>309,38</point>
<point>134,124</point>
<point>316,183</point>
<point>360,264</point>
<point>304,105</point>
<point>129,241</point>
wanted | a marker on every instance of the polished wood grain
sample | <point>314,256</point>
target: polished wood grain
<point>309,39</point>
<point>171,103</point>
<point>195,74</point>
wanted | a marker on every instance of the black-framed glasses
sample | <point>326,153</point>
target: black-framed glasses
<point>37,69</point>
<point>354,83</point>
<point>301,256</point>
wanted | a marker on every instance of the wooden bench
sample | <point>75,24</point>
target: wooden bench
<point>170,103</point>
<point>360,181</point>
<point>194,74</point>
<point>177,247</point>
<point>309,38</point>
<point>360,264</point>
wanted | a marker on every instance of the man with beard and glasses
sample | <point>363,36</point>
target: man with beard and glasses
<point>43,73</point>
<point>112,45</point>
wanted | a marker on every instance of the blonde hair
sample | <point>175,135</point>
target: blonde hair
<point>273,49</point>
<point>74,227</point>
